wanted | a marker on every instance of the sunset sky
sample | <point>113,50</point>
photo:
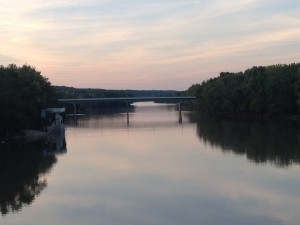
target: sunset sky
<point>147,44</point>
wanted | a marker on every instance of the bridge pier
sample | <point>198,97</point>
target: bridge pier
<point>127,111</point>
<point>180,114</point>
<point>74,111</point>
<point>127,100</point>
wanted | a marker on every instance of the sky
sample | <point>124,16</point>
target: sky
<point>147,44</point>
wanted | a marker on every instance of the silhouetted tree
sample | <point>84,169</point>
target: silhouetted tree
<point>23,93</point>
<point>264,90</point>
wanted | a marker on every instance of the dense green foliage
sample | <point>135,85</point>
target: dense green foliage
<point>71,92</point>
<point>152,93</point>
<point>65,92</point>
<point>23,93</point>
<point>264,90</point>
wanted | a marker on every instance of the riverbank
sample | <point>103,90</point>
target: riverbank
<point>251,116</point>
<point>27,135</point>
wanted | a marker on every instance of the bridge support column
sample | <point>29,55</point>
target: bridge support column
<point>127,111</point>
<point>74,111</point>
<point>179,111</point>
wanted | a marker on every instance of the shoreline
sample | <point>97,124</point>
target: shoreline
<point>250,116</point>
<point>27,135</point>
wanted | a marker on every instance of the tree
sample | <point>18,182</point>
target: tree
<point>263,90</point>
<point>23,93</point>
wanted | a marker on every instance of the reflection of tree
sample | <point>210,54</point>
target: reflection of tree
<point>21,172</point>
<point>275,142</point>
<point>55,144</point>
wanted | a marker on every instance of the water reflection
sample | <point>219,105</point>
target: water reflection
<point>264,141</point>
<point>55,144</point>
<point>140,175</point>
<point>139,115</point>
<point>22,170</point>
<point>99,113</point>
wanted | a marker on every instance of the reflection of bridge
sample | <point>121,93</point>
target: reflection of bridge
<point>128,100</point>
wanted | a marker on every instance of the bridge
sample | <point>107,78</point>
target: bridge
<point>128,100</point>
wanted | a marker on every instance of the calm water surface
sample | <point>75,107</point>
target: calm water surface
<point>154,170</point>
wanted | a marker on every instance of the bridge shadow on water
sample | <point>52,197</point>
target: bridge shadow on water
<point>265,141</point>
<point>22,169</point>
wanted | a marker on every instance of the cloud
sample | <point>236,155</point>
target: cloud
<point>158,38</point>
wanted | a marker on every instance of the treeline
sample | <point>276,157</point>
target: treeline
<point>264,90</point>
<point>152,93</point>
<point>23,93</point>
<point>71,92</point>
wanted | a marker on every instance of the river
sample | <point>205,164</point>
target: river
<point>154,170</point>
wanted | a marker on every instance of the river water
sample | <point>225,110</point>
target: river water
<point>154,170</point>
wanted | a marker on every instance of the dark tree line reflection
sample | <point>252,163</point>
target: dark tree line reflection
<point>261,141</point>
<point>22,170</point>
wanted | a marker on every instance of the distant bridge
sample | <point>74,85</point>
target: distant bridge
<point>127,100</point>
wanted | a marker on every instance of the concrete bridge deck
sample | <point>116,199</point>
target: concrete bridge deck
<point>126,99</point>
